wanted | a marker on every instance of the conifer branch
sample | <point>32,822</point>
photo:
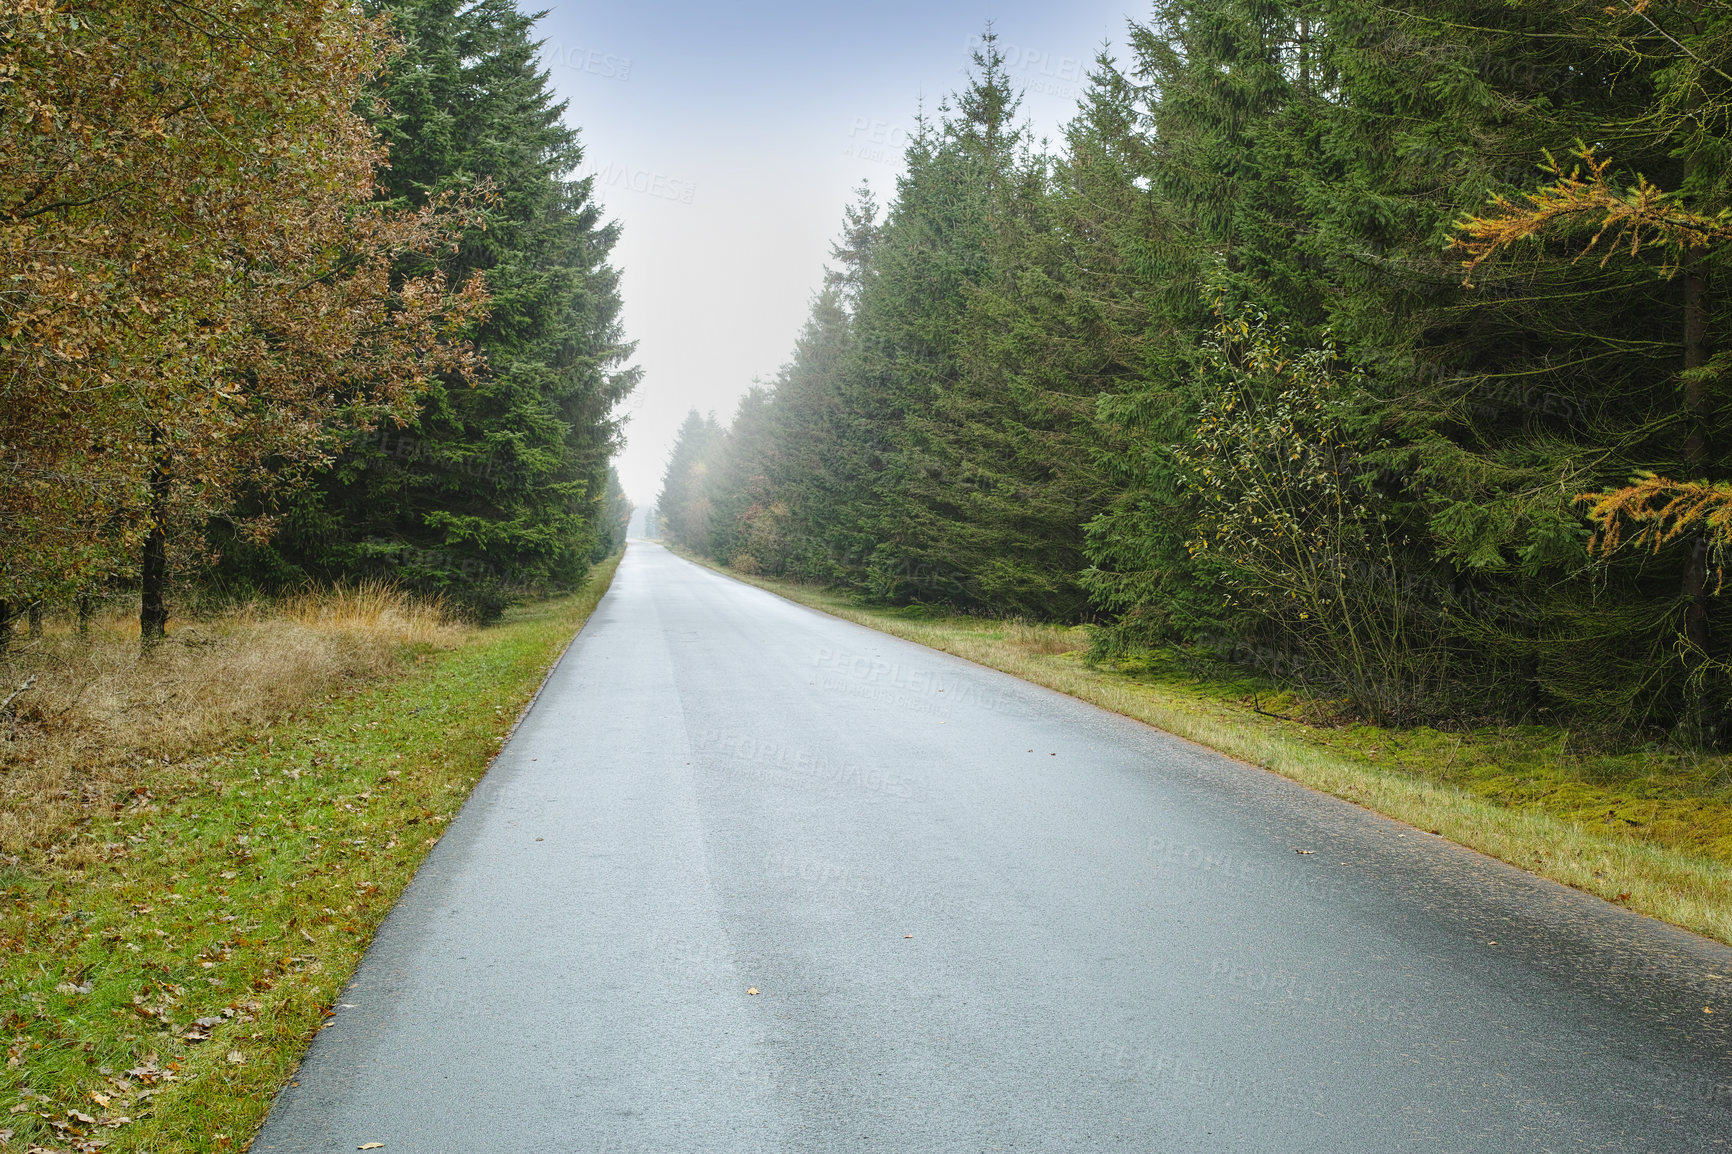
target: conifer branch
<point>1659,510</point>
<point>1640,216</point>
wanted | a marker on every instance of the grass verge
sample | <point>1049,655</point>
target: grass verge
<point>1647,828</point>
<point>165,962</point>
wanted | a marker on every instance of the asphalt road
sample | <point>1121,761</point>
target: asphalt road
<point>977,916</point>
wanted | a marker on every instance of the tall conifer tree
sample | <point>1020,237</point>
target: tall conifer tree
<point>503,485</point>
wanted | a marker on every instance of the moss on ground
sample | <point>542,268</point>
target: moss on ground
<point>1677,798</point>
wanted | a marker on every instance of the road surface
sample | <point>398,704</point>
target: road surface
<point>977,915</point>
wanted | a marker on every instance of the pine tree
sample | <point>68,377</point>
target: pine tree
<point>1183,188</point>
<point>500,486</point>
<point>1217,365</point>
<point>986,480</point>
<point>685,504</point>
<point>1546,377</point>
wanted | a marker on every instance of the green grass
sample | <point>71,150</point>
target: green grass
<point>157,998</point>
<point>1650,828</point>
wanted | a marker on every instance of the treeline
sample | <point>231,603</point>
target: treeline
<point>297,291</point>
<point>1301,348</point>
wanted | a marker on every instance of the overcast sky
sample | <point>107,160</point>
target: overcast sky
<point>726,139</point>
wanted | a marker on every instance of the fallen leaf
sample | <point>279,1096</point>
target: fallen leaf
<point>371,1146</point>
<point>907,935</point>
<point>238,1058</point>
<point>1707,1009</point>
<point>81,1116</point>
<point>99,1098</point>
<point>1304,851</point>
<point>753,990</point>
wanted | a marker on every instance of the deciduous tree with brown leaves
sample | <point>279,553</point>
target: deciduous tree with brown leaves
<point>196,284</point>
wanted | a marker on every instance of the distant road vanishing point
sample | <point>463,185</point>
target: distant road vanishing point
<point>751,878</point>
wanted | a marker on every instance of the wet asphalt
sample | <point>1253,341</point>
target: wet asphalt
<point>977,915</point>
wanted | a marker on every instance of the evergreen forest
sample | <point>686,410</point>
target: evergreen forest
<point>1373,347</point>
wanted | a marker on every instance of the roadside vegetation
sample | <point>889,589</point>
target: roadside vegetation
<point>1321,337</point>
<point>1649,828</point>
<point>301,293</point>
<point>198,841</point>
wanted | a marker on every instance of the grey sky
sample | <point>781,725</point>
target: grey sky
<point>727,140</point>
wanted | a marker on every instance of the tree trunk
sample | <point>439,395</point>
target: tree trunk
<point>5,626</point>
<point>153,578</point>
<point>36,621</point>
<point>86,610</point>
<point>1695,581</point>
<point>1699,716</point>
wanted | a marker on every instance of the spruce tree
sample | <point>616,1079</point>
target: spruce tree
<point>684,505</point>
<point>498,487</point>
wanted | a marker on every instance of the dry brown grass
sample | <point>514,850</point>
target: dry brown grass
<point>1041,640</point>
<point>103,718</point>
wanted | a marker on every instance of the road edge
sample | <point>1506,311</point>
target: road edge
<point>1685,891</point>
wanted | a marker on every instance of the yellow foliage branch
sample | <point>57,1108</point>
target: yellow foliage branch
<point>1660,510</point>
<point>1640,216</point>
